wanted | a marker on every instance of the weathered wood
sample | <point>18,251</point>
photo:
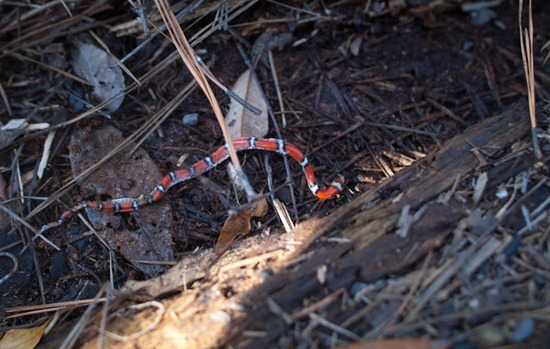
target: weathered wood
<point>369,222</point>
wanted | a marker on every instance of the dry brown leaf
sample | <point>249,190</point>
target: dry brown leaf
<point>399,343</point>
<point>23,338</point>
<point>241,121</point>
<point>239,224</point>
<point>137,174</point>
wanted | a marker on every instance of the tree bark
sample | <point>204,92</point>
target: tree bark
<point>370,223</point>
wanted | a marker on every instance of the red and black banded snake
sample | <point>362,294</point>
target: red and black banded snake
<point>202,166</point>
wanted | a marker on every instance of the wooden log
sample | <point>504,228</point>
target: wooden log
<point>370,223</point>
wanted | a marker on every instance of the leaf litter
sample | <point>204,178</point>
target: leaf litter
<point>98,68</point>
<point>124,175</point>
<point>403,107</point>
<point>24,338</point>
<point>240,120</point>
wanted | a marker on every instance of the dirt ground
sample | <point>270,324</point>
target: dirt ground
<point>388,94</point>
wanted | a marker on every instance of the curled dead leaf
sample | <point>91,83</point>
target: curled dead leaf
<point>23,338</point>
<point>239,224</point>
<point>241,121</point>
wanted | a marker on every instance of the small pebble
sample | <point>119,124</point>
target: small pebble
<point>482,16</point>
<point>522,330</point>
<point>474,303</point>
<point>237,307</point>
<point>265,273</point>
<point>191,119</point>
<point>467,46</point>
<point>356,288</point>
<point>221,317</point>
<point>502,193</point>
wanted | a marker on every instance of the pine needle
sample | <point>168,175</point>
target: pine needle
<point>188,56</point>
<point>526,42</point>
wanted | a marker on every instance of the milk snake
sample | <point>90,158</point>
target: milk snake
<point>202,166</point>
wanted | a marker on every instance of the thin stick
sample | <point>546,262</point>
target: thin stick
<point>22,221</point>
<point>275,126</point>
<point>529,67</point>
<point>187,54</point>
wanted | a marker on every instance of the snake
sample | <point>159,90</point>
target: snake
<point>200,167</point>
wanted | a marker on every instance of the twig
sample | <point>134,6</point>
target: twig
<point>188,56</point>
<point>526,42</point>
<point>250,261</point>
<point>275,126</point>
<point>114,58</point>
<point>13,269</point>
<point>332,326</point>
<point>317,305</point>
<point>227,90</point>
<point>191,7</point>
<point>104,316</point>
<point>50,307</point>
<point>277,87</point>
<point>45,154</point>
<point>458,264</point>
<point>71,338</point>
<point>520,309</point>
<point>22,221</point>
<point>5,100</point>
<point>276,309</point>
<point>407,300</point>
<point>149,328</point>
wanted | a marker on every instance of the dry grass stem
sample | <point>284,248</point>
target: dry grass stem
<point>526,43</point>
<point>188,56</point>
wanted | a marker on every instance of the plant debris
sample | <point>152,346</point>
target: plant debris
<point>438,238</point>
<point>98,68</point>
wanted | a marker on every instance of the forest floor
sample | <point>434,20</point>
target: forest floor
<point>440,237</point>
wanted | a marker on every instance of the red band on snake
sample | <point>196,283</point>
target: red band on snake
<point>202,166</point>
